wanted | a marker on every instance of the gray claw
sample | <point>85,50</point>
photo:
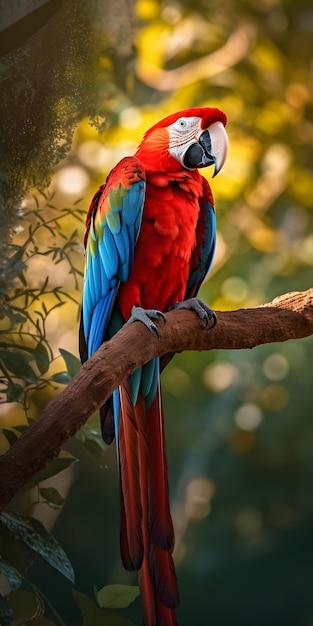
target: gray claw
<point>201,308</point>
<point>138,314</point>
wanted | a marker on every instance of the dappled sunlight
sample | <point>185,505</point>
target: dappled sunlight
<point>199,494</point>
<point>235,288</point>
<point>276,366</point>
<point>72,180</point>
<point>275,397</point>
<point>219,376</point>
<point>93,154</point>
<point>248,416</point>
<point>195,506</point>
<point>130,118</point>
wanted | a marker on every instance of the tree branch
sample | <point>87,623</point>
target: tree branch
<point>236,48</point>
<point>287,317</point>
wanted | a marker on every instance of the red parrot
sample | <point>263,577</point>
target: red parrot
<point>150,240</point>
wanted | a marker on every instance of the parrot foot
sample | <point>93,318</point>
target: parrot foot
<point>138,314</point>
<point>201,308</point>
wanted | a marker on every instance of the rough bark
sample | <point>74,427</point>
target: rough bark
<point>289,316</point>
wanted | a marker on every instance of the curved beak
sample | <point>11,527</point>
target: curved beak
<point>210,148</point>
<point>214,142</point>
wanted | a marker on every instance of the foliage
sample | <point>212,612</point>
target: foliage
<point>26,369</point>
<point>239,426</point>
<point>25,349</point>
<point>111,596</point>
<point>21,539</point>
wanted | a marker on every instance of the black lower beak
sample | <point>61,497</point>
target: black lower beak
<point>199,154</point>
<point>205,142</point>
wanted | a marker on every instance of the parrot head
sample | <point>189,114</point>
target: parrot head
<point>192,139</point>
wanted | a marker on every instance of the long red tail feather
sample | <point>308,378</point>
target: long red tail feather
<point>126,552</point>
<point>163,576</point>
<point>147,536</point>
<point>160,521</point>
<point>147,589</point>
<point>165,616</point>
<point>131,527</point>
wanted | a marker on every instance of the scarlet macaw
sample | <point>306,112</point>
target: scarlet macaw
<point>150,240</point>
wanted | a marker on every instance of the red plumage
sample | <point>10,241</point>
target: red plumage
<point>166,240</point>
<point>173,252</point>
<point>131,526</point>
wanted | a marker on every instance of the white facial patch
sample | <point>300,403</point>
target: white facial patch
<point>182,134</point>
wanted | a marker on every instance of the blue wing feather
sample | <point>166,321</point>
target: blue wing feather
<point>124,269</point>
<point>109,254</point>
<point>146,379</point>
<point>121,246</point>
<point>95,271</point>
<point>131,234</point>
<point>135,380</point>
<point>113,225</point>
<point>99,322</point>
<point>203,254</point>
<point>150,380</point>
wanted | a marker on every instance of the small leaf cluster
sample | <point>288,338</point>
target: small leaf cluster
<point>25,348</point>
<point>26,356</point>
<point>110,597</point>
<point>22,538</point>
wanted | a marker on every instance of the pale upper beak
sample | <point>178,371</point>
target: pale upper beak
<point>214,142</point>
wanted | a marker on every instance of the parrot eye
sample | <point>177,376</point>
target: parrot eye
<point>186,123</point>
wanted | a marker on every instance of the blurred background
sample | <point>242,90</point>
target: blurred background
<point>239,424</point>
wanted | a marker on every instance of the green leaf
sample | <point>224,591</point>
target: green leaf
<point>6,614</point>
<point>12,575</point>
<point>26,605</point>
<point>15,392</point>
<point>72,363</point>
<point>36,537</point>
<point>95,448</point>
<point>21,428</point>
<point>17,318</point>
<point>62,378</point>
<point>64,460</point>
<point>15,551</point>
<point>10,435</point>
<point>117,596</point>
<point>95,616</point>
<point>91,437</point>
<point>52,497</point>
<point>16,259</point>
<point>42,358</point>
<point>17,362</point>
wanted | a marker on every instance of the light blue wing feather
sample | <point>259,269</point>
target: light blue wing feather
<point>113,225</point>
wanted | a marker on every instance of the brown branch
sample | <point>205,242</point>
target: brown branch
<point>287,317</point>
